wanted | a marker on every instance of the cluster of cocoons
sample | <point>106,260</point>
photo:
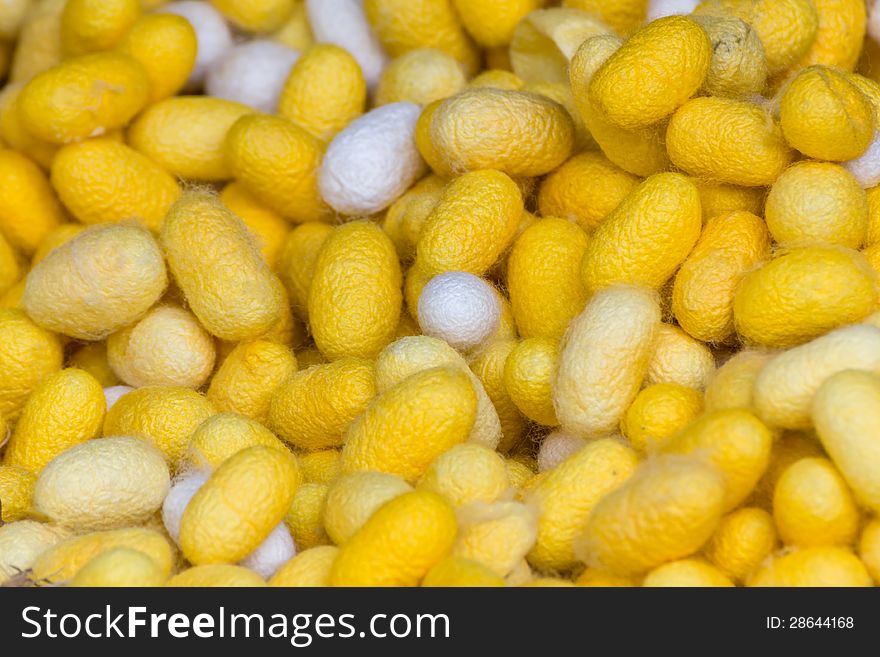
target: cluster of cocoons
<point>440,293</point>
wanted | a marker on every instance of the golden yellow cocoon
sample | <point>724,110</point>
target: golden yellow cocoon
<point>420,76</point>
<point>810,567</point>
<point>39,44</point>
<point>497,535</point>
<point>529,371</point>
<point>185,135</point>
<point>353,498</point>
<point>688,573</point>
<point>543,277</point>
<point>743,540</point>
<point>120,567</point>
<point>28,353</point>
<point>739,66</point>
<point>255,15</point>
<point>308,568</point>
<point>645,239</point>
<point>296,264</point>
<point>399,544</point>
<point>15,135</point>
<point>313,407</point>
<point>680,359</point>
<point>736,442</point>
<point>16,489</point>
<point>659,68</point>
<point>406,217</point>
<point>869,548</point>
<point>305,517</point>
<point>225,434</point>
<point>237,508</point>
<point>840,34</point>
<point>488,366</point>
<point>565,498</point>
<point>657,413</point>
<point>29,209</point>
<point>408,426</point>
<point>667,510</point>
<point>702,296</point>
<point>732,384</point>
<point>459,572</point>
<point>268,228</point>
<point>9,268</point>
<point>85,96</point>
<point>623,15</point>
<point>728,141</point>
<point>491,22</point>
<point>467,474</point>
<point>64,410</point>
<point>790,447</point>
<point>718,198</point>
<point>802,294</point>
<point>227,284</point>
<point>216,575</point>
<point>604,357</point>
<point>355,297</point>
<point>96,283</point>
<point>519,133</point>
<point>166,416</point>
<point>324,92</point>
<point>322,466</point>
<point>845,412</point>
<point>94,25</point>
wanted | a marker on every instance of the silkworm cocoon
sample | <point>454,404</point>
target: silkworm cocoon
<point>408,426</point>
<point>64,410</point>
<point>519,133</point>
<point>103,484</point>
<point>556,448</point>
<point>565,498</point>
<point>467,474</point>
<point>266,225</point>
<point>840,35</point>
<point>186,135</point>
<point>866,168</point>
<point>98,282</point>
<point>667,510</point>
<point>85,96</point>
<point>120,567</point>
<point>239,506</point>
<point>95,25</point>
<point>647,237</point>
<point>308,568</point>
<point>459,308</point>
<point>92,357</point>
<point>399,544</point>
<point>813,567</point>
<point>790,447</point>
<point>471,226</point>
<point>324,92</point>
<point>812,505</point>
<point>718,198</point>
<point>166,416</point>
<point>586,189</point>
<point>492,22</point>
<point>252,73</point>
<point>22,542</point>
<point>688,573</point>
<point>296,264</point>
<point>732,384</point>
<point>736,442</point>
<point>216,575</point>
<point>249,376</point>
<point>227,284</point>
<point>29,209</point>
<point>321,467</point>
<point>459,572</point>
<point>498,79</point>
<point>678,358</point>
<point>16,488</point>
<point>225,434</point>
<point>545,40</point>
<point>743,539</point>
<point>178,497</point>
<point>561,93</point>
<point>869,549</point>
<point>305,517</point>
<point>412,354</point>
<point>9,268</point>
<point>61,562</point>
<point>344,24</point>
<point>39,45</point>
<point>354,498</point>
<point>785,386</point>
<point>13,16</point>
<point>728,141</point>
<point>114,393</point>
<point>313,407</point>
<point>403,25</point>
<point>631,88</point>
<point>407,216</point>
<point>702,297</point>
<point>213,37</point>
<point>603,359</point>
<point>420,76</point>
<point>496,535</point>
<point>488,365</point>
<point>28,353</point>
<point>274,552</point>
<point>255,15</point>
<point>802,294</point>
<point>55,238</point>
<point>845,410</point>
<point>657,413</point>
<point>529,371</point>
<point>166,46</point>
<point>372,161</point>
<point>739,67</point>
<point>104,181</point>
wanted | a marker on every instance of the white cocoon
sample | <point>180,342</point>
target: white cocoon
<point>557,447</point>
<point>212,34</point>
<point>252,73</point>
<point>373,161</point>
<point>661,8</point>
<point>866,167</point>
<point>178,497</point>
<point>274,552</point>
<point>113,393</point>
<point>460,308</point>
<point>343,23</point>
